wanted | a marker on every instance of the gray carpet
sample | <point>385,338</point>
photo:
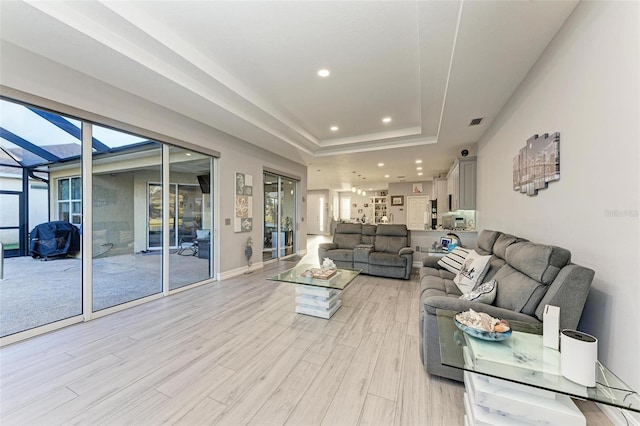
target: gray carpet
<point>36,292</point>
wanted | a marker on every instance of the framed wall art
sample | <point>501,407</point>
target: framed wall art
<point>537,164</point>
<point>397,200</point>
<point>243,221</point>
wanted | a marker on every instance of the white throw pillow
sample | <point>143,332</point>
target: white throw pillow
<point>472,272</point>
<point>453,261</point>
<point>484,293</point>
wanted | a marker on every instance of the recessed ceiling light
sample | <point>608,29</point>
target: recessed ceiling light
<point>380,164</point>
<point>188,154</point>
<point>418,161</point>
<point>418,168</point>
<point>334,128</point>
<point>324,72</point>
<point>386,176</point>
<point>420,174</point>
<point>386,120</point>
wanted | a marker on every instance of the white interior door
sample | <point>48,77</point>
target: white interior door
<point>315,214</point>
<point>417,211</point>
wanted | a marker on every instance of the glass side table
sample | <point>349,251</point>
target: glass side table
<point>519,379</point>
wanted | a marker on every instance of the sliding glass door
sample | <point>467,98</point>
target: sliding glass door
<point>123,270</point>
<point>190,260</point>
<point>34,144</point>
<point>280,212</point>
<point>70,187</point>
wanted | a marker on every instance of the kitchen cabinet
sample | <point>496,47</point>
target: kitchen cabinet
<point>461,184</point>
<point>441,195</point>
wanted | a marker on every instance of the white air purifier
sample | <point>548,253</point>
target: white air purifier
<point>578,357</point>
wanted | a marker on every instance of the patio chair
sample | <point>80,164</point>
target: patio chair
<point>188,245</point>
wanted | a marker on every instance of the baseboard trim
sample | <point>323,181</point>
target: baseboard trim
<point>620,417</point>
<point>37,331</point>
<point>238,271</point>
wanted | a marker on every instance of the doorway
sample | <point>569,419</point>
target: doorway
<point>316,216</point>
<point>185,213</point>
<point>280,212</point>
<point>12,227</point>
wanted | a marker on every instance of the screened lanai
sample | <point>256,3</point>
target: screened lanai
<point>43,182</point>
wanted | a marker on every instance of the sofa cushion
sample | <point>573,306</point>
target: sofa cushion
<point>435,286</point>
<point>486,239</point>
<point>392,245</point>
<point>517,291</point>
<point>472,272</point>
<point>341,255</point>
<point>494,266</point>
<point>392,230</point>
<point>501,244</point>
<point>453,261</point>
<point>484,293</point>
<point>537,261</point>
<point>368,234</point>
<point>387,259</point>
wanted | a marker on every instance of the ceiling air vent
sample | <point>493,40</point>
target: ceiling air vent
<point>475,121</point>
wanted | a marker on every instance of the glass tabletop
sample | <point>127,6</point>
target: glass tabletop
<point>302,274</point>
<point>523,359</point>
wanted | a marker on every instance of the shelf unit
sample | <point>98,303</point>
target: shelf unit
<point>379,204</point>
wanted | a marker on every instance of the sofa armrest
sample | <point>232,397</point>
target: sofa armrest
<point>361,253</point>
<point>405,250</point>
<point>328,246</point>
<point>430,304</point>
<point>432,262</point>
<point>322,250</point>
<point>365,246</point>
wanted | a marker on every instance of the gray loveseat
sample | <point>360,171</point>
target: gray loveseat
<point>381,250</point>
<point>529,276</point>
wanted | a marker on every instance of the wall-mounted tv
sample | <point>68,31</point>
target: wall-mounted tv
<point>205,184</point>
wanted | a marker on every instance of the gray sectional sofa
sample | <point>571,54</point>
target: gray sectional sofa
<point>529,276</point>
<point>381,250</point>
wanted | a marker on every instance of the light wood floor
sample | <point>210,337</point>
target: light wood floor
<point>235,353</point>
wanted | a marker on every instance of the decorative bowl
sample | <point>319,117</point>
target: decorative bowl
<point>481,334</point>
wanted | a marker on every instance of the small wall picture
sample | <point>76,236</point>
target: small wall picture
<point>359,211</point>
<point>417,188</point>
<point>355,205</point>
<point>397,200</point>
<point>366,205</point>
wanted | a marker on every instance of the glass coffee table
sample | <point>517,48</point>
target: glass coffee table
<point>317,297</point>
<point>519,380</point>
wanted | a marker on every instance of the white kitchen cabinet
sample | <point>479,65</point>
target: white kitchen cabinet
<point>441,195</point>
<point>461,184</point>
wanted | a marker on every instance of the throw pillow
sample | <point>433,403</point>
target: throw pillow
<point>472,272</point>
<point>485,293</point>
<point>453,261</point>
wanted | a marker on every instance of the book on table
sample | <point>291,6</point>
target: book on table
<point>321,274</point>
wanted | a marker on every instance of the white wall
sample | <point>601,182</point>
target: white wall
<point>36,75</point>
<point>405,188</point>
<point>584,86</point>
